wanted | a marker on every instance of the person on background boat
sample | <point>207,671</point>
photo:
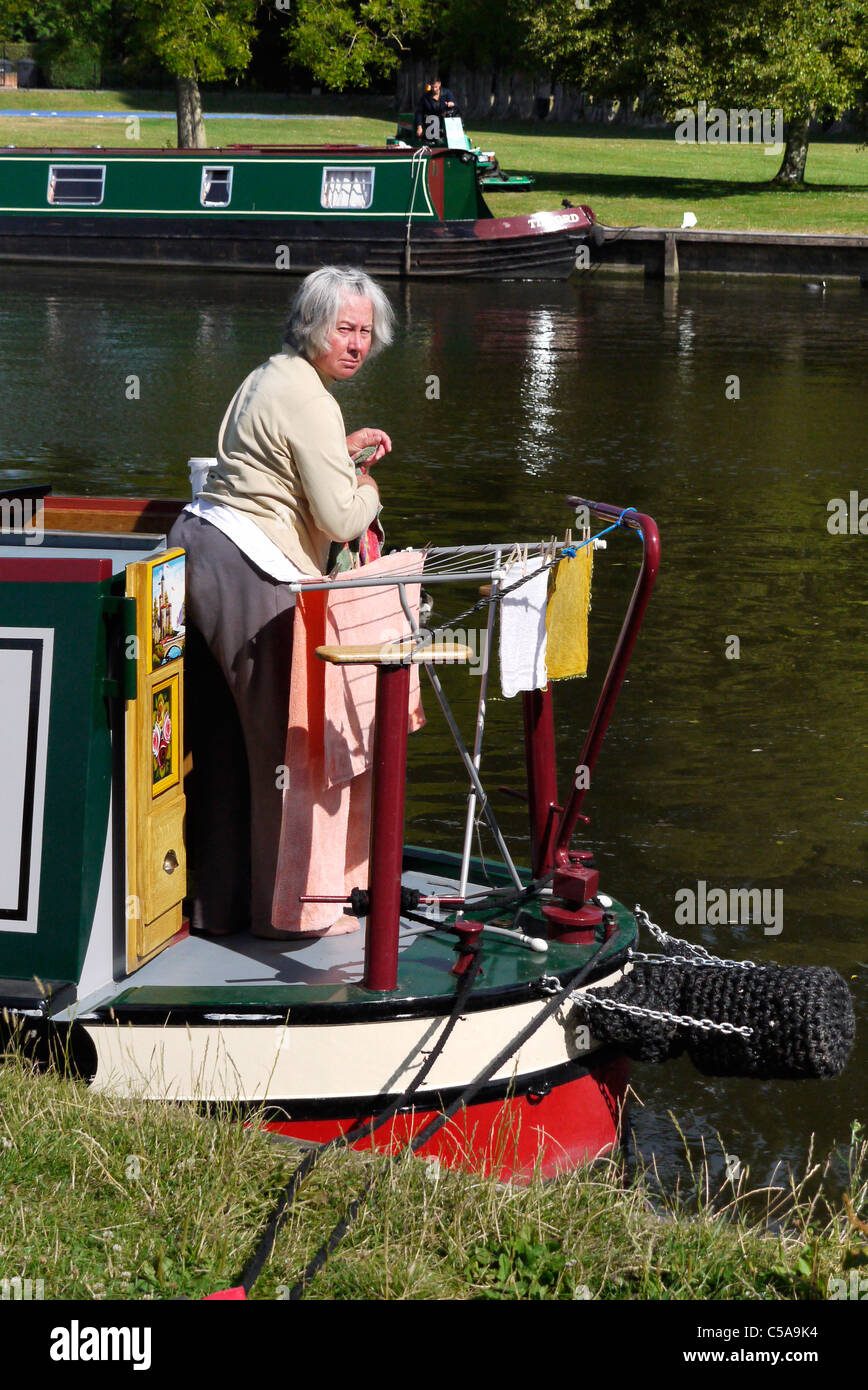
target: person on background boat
<point>284,488</point>
<point>436,101</point>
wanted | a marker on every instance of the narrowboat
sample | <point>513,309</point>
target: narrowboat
<point>487,1009</point>
<point>397,212</point>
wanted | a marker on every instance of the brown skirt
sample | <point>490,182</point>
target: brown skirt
<point>237,672</point>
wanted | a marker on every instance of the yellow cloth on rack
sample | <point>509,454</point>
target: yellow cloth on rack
<point>567,617</point>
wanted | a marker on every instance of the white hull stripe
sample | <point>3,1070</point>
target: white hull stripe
<point>268,1061</point>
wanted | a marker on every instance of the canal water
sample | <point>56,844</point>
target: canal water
<point>734,413</point>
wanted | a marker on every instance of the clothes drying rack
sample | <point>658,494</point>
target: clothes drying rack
<point>487,565</point>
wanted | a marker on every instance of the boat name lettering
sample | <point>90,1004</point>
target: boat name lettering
<point>549,219</point>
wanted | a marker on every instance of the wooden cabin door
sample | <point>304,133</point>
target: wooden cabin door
<point>155,806</point>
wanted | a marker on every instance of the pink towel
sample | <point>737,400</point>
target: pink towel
<point>354,618</point>
<point>325,835</point>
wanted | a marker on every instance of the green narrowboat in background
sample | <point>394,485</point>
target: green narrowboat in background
<point>397,212</point>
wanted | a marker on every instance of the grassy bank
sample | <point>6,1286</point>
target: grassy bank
<point>109,1199</point>
<point>638,178</point>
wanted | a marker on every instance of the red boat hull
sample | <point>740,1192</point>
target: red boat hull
<point>511,1138</point>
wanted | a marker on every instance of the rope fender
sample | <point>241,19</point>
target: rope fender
<point>801,1019</point>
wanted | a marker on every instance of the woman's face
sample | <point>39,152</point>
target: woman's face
<point>350,341</point>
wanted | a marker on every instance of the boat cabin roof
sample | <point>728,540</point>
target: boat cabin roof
<point>222,151</point>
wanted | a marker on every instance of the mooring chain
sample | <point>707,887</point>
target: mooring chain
<point>698,956</point>
<point>707,1025</point>
<point>649,958</point>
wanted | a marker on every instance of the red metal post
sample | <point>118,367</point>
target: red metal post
<point>387,827</point>
<point>542,785</point>
<point>646,525</point>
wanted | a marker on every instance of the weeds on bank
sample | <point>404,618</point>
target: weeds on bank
<point>103,1198</point>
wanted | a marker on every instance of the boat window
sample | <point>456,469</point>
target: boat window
<point>347,188</point>
<point>216,187</point>
<point>76,184</point>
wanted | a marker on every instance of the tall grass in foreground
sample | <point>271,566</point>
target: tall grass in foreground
<point>103,1198</point>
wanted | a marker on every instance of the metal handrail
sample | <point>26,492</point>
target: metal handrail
<point>650,536</point>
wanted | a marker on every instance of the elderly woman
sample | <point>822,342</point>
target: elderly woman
<point>283,489</point>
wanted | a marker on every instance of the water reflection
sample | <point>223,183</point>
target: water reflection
<point>538,381</point>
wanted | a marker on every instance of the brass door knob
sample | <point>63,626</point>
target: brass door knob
<point>170,863</point>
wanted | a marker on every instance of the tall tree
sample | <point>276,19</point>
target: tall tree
<point>804,57</point>
<point>482,33</point>
<point>13,19</point>
<point>346,43</point>
<point>55,19</point>
<point>197,41</point>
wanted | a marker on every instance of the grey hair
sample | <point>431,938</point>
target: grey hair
<point>314,311</point>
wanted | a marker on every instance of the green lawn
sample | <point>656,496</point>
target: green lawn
<point>641,178</point>
<point>107,1198</point>
<point>649,180</point>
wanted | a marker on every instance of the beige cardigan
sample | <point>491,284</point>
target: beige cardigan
<point>282,460</point>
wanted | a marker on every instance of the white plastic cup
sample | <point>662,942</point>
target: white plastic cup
<point>198,472</point>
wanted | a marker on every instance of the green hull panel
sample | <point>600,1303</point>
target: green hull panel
<point>77,783</point>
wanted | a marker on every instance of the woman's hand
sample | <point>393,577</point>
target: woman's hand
<point>365,439</point>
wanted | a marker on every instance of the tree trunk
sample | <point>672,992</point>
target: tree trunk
<point>500,104</point>
<point>191,126</point>
<point>458,85</point>
<point>479,94</point>
<point>522,103</point>
<point>792,170</point>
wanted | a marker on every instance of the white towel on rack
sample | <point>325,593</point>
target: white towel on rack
<point>523,628</point>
